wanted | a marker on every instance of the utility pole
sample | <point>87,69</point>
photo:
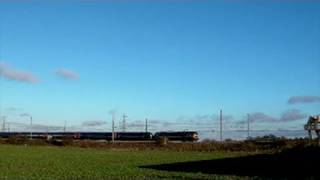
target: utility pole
<point>31,127</point>
<point>248,128</point>
<point>4,123</point>
<point>113,127</point>
<point>146,125</point>
<point>124,122</point>
<point>65,126</point>
<point>28,115</point>
<point>221,125</point>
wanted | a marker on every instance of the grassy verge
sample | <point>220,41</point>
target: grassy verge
<point>36,162</point>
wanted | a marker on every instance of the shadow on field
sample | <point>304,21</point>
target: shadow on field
<point>298,163</point>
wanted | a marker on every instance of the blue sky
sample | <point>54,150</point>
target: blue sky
<point>171,61</point>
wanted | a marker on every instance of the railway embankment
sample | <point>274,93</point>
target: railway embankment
<point>252,145</point>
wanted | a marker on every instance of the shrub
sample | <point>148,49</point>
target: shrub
<point>17,140</point>
<point>67,141</point>
<point>162,141</point>
<point>2,141</point>
<point>56,142</point>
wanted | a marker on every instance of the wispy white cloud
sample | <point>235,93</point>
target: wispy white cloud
<point>287,116</point>
<point>25,115</point>
<point>93,123</point>
<point>112,112</point>
<point>261,117</point>
<point>67,74</point>
<point>258,117</point>
<point>292,115</point>
<point>9,73</point>
<point>205,118</point>
<point>35,127</point>
<point>303,99</point>
<point>136,124</point>
<point>12,110</point>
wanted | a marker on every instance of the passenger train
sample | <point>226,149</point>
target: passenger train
<point>118,136</point>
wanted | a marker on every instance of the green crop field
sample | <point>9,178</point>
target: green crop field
<point>79,163</point>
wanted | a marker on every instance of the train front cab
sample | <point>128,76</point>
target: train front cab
<point>178,136</point>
